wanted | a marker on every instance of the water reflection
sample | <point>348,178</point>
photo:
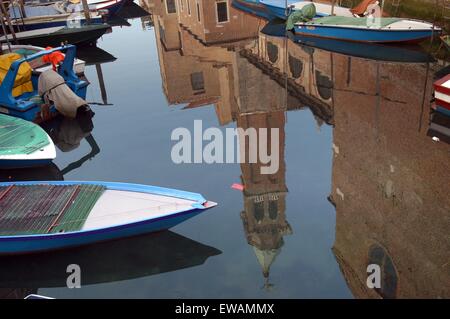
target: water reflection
<point>388,174</point>
<point>113,261</point>
<point>387,180</point>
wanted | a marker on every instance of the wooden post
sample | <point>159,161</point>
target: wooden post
<point>5,33</point>
<point>101,82</point>
<point>5,15</point>
<point>87,13</point>
<point>22,9</point>
<point>332,7</point>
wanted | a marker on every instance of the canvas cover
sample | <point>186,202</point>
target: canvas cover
<point>53,90</point>
<point>307,13</point>
<point>22,84</point>
<point>357,22</point>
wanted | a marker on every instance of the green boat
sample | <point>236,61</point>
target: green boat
<point>23,144</point>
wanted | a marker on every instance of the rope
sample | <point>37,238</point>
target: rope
<point>54,87</point>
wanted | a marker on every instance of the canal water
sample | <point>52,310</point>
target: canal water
<point>360,180</point>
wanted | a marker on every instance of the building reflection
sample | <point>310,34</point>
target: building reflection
<point>202,65</point>
<point>388,178</point>
<point>388,174</point>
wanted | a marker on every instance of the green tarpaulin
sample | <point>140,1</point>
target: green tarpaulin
<point>305,14</point>
<point>335,20</point>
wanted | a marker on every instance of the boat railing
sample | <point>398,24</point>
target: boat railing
<point>65,70</point>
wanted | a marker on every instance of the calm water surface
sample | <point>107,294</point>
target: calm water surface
<point>359,182</point>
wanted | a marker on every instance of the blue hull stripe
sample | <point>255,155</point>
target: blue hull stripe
<point>23,163</point>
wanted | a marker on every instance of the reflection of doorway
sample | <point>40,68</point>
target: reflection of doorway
<point>171,6</point>
<point>198,82</point>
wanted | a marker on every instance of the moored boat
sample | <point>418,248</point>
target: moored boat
<point>58,215</point>
<point>19,95</point>
<point>46,16</point>
<point>23,144</point>
<point>84,35</point>
<point>379,30</point>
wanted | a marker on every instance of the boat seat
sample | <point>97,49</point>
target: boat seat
<point>22,83</point>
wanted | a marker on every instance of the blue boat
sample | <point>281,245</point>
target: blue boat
<point>379,30</point>
<point>43,216</point>
<point>276,9</point>
<point>28,104</point>
<point>373,51</point>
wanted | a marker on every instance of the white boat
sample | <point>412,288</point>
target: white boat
<point>80,213</point>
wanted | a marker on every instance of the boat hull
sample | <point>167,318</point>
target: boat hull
<point>363,35</point>
<point>86,35</point>
<point>54,23</point>
<point>10,245</point>
<point>34,244</point>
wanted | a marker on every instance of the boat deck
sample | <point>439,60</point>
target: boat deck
<point>44,209</point>
<point>20,137</point>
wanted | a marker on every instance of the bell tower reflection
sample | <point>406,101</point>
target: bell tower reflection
<point>264,214</point>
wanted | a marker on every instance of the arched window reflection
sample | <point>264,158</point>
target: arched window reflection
<point>296,67</point>
<point>389,279</point>
<point>272,51</point>
<point>324,85</point>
